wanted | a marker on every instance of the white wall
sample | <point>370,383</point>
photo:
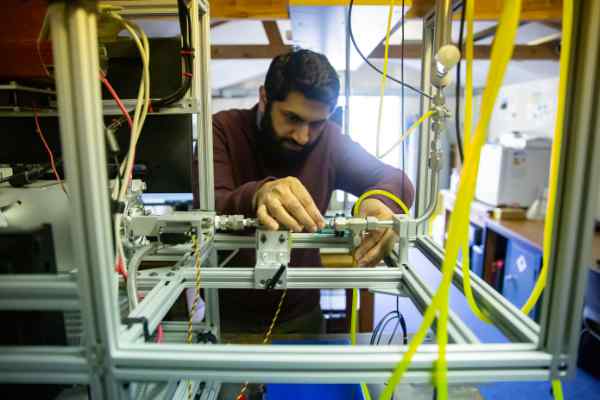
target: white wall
<point>221,104</point>
<point>529,106</point>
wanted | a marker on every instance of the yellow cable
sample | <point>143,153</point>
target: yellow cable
<point>353,330</point>
<point>466,270</point>
<point>557,391</point>
<point>468,125</point>
<point>567,28</point>
<point>384,76</point>
<point>408,132</point>
<point>501,53</point>
<point>266,338</point>
<point>378,192</point>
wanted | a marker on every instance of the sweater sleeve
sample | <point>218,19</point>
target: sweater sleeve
<point>230,196</point>
<point>357,172</point>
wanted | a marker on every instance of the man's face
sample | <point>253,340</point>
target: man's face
<point>290,128</point>
<point>297,121</point>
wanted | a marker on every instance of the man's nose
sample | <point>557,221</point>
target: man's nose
<point>301,135</point>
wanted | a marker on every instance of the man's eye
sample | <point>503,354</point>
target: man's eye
<point>294,118</point>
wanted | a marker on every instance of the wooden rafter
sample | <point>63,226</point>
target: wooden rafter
<point>547,51</point>
<point>273,33</point>
<point>225,52</point>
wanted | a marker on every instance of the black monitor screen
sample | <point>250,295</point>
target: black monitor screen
<point>163,154</point>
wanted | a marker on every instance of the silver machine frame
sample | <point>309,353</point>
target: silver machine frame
<point>113,354</point>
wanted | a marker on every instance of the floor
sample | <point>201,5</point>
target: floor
<point>584,386</point>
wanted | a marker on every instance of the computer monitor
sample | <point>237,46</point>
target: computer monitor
<point>163,154</point>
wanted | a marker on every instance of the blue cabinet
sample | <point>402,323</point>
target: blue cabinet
<point>477,260</point>
<point>521,269</point>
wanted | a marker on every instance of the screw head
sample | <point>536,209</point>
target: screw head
<point>263,238</point>
<point>281,239</point>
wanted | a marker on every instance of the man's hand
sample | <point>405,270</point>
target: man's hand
<point>378,243</point>
<point>286,201</point>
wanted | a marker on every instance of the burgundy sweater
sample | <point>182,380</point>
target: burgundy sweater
<point>336,162</point>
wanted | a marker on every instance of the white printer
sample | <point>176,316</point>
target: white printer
<point>514,171</point>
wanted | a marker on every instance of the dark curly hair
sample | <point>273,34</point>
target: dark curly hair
<point>303,71</point>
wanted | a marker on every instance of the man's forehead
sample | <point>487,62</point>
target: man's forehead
<point>308,110</point>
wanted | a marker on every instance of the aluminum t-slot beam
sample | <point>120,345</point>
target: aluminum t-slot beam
<point>43,364</point>
<point>381,278</point>
<point>508,318</point>
<point>322,364</point>
<point>39,292</point>
<point>422,296</point>
<point>154,307</point>
<point>208,390</point>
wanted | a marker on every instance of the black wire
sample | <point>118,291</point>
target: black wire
<point>394,332</point>
<point>384,326</point>
<point>360,53</point>
<point>402,322</point>
<point>185,27</point>
<point>402,105</point>
<point>377,334</point>
<point>457,95</point>
<point>378,327</point>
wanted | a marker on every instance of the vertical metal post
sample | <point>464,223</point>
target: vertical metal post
<point>421,147</point>
<point>578,180</point>
<point>75,49</point>
<point>443,23</point>
<point>347,91</point>
<point>201,95</point>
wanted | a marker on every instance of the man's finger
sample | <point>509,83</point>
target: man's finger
<point>277,211</point>
<point>374,256</point>
<point>265,219</point>
<point>309,204</point>
<point>367,244</point>
<point>297,211</point>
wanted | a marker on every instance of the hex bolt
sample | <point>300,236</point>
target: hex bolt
<point>562,366</point>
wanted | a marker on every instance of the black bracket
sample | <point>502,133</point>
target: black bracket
<point>270,284</point>
<point>139,320</point>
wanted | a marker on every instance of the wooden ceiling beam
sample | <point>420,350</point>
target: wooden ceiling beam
<point>273,33</point>
<point>226,52</point>
<point>546,51</point>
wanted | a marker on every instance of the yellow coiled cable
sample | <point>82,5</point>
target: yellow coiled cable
<point>501,53</point>
<point>354,313</point>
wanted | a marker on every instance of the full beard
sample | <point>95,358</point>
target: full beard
<point>276,151</point>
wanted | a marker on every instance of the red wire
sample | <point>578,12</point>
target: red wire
<point>38,129</point>
<point>120,268</point>
<point>115,96</point>
<point>160,335</point>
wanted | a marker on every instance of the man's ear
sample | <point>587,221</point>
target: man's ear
<point>262,99</point>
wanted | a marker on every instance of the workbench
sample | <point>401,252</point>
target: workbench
<point>507,254</point>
